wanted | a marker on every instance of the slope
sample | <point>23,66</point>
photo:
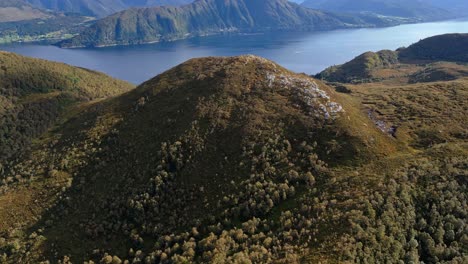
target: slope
<point>205,17</point>
<point>416,93</point>
<point>34,94</point>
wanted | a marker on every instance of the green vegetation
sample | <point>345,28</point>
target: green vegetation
<point>35,93</point>
<point>424,61</point>
<point>360,68</point>
<point>238,160</point>
<point>448,47</point>
<point>201,18</point>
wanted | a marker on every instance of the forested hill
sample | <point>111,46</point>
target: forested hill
<point>205,17</point>
<point>448,47</point>
<point>35,94</point>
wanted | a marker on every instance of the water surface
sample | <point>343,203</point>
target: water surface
<point>309,52</point>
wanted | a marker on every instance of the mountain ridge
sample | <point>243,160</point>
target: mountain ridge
<point>205,17</point>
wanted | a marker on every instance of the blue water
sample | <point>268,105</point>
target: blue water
<point>301,52</point>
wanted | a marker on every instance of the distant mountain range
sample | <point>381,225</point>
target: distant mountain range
<point>205,17</point>
<point>422,10</point>
<point>100,8</point>
<point>130,22</point>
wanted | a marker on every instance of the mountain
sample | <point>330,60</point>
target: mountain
<point>459,7</point>
<point>417,9</point>
<point>100,8</point>
<point>34,94</point>
<point>238,160</point>
<point>377,65</point>
<point>22,22</point>
<point>16,10</point>
<point>147,3</point>
<point>205,17</point>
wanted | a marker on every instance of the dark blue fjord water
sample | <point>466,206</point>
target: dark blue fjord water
<point>301,52</point>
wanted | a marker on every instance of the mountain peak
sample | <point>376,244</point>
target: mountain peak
<point>247,75</point>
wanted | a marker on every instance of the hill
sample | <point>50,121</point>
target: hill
<point>361,67</point>
<point>417,80</point>
<point>420,59</point>
<point>35,94</point>
<point>448,47</point>
<point>99,8</point>
<point>419,10</point>
<point>240,160</point>
<point>146,25</point>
